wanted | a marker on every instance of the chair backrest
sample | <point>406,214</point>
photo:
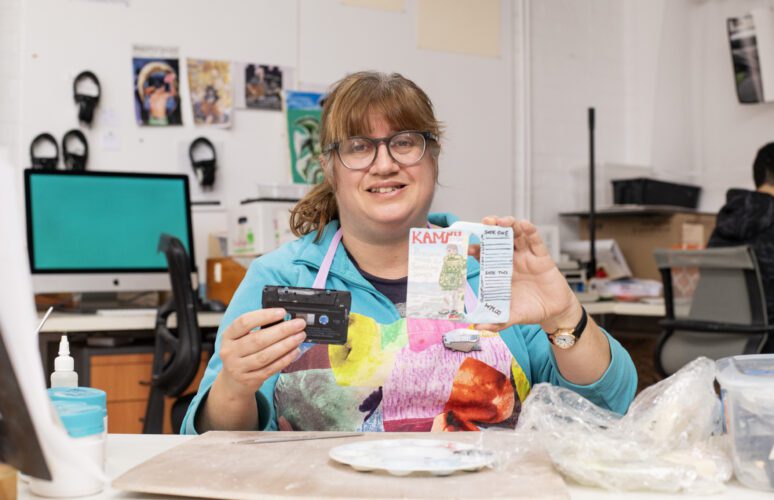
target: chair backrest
<point>715,295</point>
<point>178,353</point>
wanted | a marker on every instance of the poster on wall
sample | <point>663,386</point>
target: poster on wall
<point>156,73</point>
<point>260,86</point>
<point>263,87</point>
<point>751,38</point>
<point>744,54</point>
<point>212,93</point>
<point>303,114</point>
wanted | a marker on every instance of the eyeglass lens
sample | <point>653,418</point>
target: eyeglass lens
<point>406,148</point>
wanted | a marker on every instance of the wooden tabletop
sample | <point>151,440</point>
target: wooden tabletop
<point>213,466</point>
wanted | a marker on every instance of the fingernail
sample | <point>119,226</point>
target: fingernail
<point>300,336</point>
<point>279,313</point>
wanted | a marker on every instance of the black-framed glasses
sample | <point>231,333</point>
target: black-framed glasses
<point>406,148</point>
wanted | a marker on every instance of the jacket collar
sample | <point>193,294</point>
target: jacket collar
<point>311,254</point>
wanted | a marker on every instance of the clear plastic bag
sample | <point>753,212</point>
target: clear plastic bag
<point>668,440</point>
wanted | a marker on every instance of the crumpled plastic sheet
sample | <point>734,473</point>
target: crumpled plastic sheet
<point>669,440</point>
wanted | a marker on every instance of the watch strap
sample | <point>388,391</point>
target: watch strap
<point>577,331</point>
<point>581,324</point>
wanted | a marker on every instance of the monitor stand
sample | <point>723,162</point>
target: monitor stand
<point>19,445</point>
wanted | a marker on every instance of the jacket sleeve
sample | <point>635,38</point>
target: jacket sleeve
<point>614,390</point>
<point>246,298</point>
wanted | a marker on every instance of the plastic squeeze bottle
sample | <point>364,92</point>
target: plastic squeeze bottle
<point>64,374</point>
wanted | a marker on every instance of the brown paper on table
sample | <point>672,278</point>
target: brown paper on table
<point>463,26</point>
<point>212,466</point>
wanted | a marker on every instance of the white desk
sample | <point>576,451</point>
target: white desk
<point>132,321</point>
<point>625,308</point>
<point>124,451</point>
<point>125,325</point>
<point>128,321</point>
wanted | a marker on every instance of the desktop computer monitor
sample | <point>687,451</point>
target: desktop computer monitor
<point>99,231</point>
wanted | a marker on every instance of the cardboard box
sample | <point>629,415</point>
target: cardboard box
<point>224,274</point>
<point>609,256</point>
<point>639,234</point>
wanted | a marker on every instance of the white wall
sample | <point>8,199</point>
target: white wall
<point>322,39</point>
<point>10,75</point>
<point>726,134</point>
<point>660,75</point>
<point>578,60</point>
<point>695,130</point>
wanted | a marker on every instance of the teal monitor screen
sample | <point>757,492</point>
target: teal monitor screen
<point>104,222</point>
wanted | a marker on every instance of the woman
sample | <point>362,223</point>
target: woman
<point>380,143</point>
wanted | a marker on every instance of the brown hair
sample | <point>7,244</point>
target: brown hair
<point>346,112</point>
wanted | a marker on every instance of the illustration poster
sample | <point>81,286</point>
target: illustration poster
<point>303,114</point>
<point>263,87</point>
<point>156,73</point>
<point>212,94</point>
<point>437,274</point>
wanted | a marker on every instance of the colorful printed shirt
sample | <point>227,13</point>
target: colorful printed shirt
<point>395,374</point>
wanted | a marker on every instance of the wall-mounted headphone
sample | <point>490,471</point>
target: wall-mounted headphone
<point>205,169</point>
<point>75,161</point>
<point>86,103</point>
<point>43,162</point>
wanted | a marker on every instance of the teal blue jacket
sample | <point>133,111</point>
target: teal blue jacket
<point>297,263</point>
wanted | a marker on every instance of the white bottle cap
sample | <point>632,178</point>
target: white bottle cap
<point>64,362</point>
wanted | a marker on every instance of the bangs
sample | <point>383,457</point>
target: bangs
<point>403,106</point>
<point>398,114</point>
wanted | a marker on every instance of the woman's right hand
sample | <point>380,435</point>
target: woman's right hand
<point>252,356</point>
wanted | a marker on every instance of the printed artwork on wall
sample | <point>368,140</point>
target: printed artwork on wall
<point>212,96</point>
<point>303,114</point>
<point>263,87</point>
<point>744,53</point>
<point>156,87</point>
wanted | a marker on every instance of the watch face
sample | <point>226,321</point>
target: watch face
<point>564,340</point>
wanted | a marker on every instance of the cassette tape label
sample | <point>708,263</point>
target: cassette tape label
<point>326,312</point>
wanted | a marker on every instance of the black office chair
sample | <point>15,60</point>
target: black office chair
<point>715,306</point>
<point>177,354</point>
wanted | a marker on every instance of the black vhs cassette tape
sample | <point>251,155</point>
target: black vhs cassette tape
<point>326,312</point>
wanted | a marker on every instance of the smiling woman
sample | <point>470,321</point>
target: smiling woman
<point>381,143</point>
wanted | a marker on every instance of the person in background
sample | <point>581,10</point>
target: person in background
<point>747,218</point>
<point>380,147</point>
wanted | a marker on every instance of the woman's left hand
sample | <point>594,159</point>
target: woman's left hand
<point>539,292</point>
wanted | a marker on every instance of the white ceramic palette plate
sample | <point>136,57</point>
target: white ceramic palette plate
<point>402,457</point>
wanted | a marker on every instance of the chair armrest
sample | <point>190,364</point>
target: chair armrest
<point>163,312</point>
<point>714,327</point>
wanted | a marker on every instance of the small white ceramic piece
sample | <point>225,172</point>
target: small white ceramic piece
<point>401,457</point>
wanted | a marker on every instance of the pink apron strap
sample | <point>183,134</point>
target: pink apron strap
<point>325,267</point>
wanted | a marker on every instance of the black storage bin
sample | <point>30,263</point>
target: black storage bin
<point>644,191</point>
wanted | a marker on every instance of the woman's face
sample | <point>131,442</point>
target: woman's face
<point>385,196</point>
